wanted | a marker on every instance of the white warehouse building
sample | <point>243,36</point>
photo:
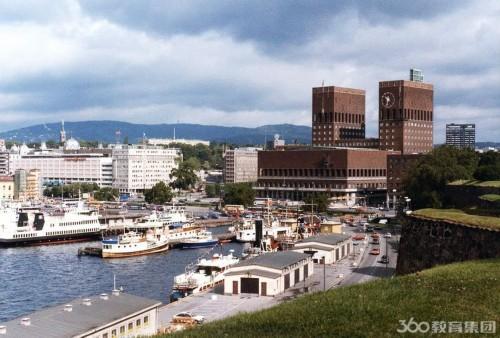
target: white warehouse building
<point>104,316</point>
<point>333,247</point>
<point>269,274</point>
<point>140,167</point>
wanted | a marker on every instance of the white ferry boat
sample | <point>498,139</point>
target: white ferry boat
<point>68,222</point>
<point>135,244</point>
<point>245,231</point>
<point>206,274</point>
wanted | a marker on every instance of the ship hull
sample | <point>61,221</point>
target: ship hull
<point>193,245</point>
<point>49,240</point>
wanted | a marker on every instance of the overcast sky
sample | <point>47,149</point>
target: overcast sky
<point>245,63</point>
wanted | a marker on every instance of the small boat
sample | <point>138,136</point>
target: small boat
<point>204,275</point>
<point>203,239</point>
<point>135,244</point>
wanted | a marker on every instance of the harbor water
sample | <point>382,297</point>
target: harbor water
<point>32,278</point>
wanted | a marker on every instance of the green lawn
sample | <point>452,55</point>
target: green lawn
<point>490,197</point>
<point>467,291</point>
<point>460,216</point>
<point>491,184</point>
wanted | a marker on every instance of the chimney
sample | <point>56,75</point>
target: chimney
<point>104,296</point>
<point>26,321</point>
<point>87,302</point>
<point>68,307</point>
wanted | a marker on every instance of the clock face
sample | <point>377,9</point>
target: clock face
<point>387,99</point>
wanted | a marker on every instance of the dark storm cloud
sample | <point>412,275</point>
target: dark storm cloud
<point>241,62</point>
<point>272,23</point>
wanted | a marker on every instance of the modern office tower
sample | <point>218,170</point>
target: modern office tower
<point>461,135</point>
<point>240,165</point>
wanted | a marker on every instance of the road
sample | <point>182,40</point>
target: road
<point>370,266</point>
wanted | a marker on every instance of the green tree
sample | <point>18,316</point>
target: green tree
<point>193,162</point>
<point>489,167</point>
<point>184,176</point>
<point>106,194</point>
<point>160,193</point>
<point>317,202</point>
<point>213,190</point>
<point>239,193</point>
<point>425,182</point>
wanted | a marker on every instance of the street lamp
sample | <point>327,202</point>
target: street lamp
<point>324,273</point>
<point>394,199</point>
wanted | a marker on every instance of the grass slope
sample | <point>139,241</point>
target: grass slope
<point>458,292</point>
<point>475,183</point>
<point>490,197</point>
<point>459,216</point>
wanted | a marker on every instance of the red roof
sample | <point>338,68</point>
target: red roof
<point>6,178</point>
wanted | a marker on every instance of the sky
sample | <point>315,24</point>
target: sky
<point>242,63</point>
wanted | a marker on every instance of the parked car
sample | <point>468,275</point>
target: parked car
<point>385,259</point>
<point>388,235</point>
<point>188,318</point>
<point>375,252</point>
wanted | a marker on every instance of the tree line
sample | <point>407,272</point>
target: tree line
<point>426,180</point>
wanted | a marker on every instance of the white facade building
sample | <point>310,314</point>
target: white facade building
<point>66,168</point>
<point>241,165</point>
<point>139,167</point>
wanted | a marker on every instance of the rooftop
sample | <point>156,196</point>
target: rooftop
<point>254,272</point>
<point>329,239</point>
<point>56,322</point>
<point>460,217</point>
<point>274,260</point>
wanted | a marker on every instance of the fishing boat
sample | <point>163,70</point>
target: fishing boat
<point>204,274</point>
<point>47,224</point>
<point>134,243</point>
<point>203,239</point>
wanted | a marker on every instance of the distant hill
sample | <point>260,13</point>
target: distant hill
<point>104,131</point>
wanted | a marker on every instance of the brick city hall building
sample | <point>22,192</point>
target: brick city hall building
<point>342,163</point>
<point>338,172</point>
<point>406,116</point>
<point>337,114</point>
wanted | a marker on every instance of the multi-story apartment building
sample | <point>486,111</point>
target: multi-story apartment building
<point>6,188</point>
<point>240,165</point>
<point>337,114</point>
<point>341,173</point>
<point>28,185</point>
<point>139,167</point>
<point>4,163</point>
<point>406,113</point>
<point>461,135</point>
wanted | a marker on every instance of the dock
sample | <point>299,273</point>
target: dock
<point>213,223</point>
